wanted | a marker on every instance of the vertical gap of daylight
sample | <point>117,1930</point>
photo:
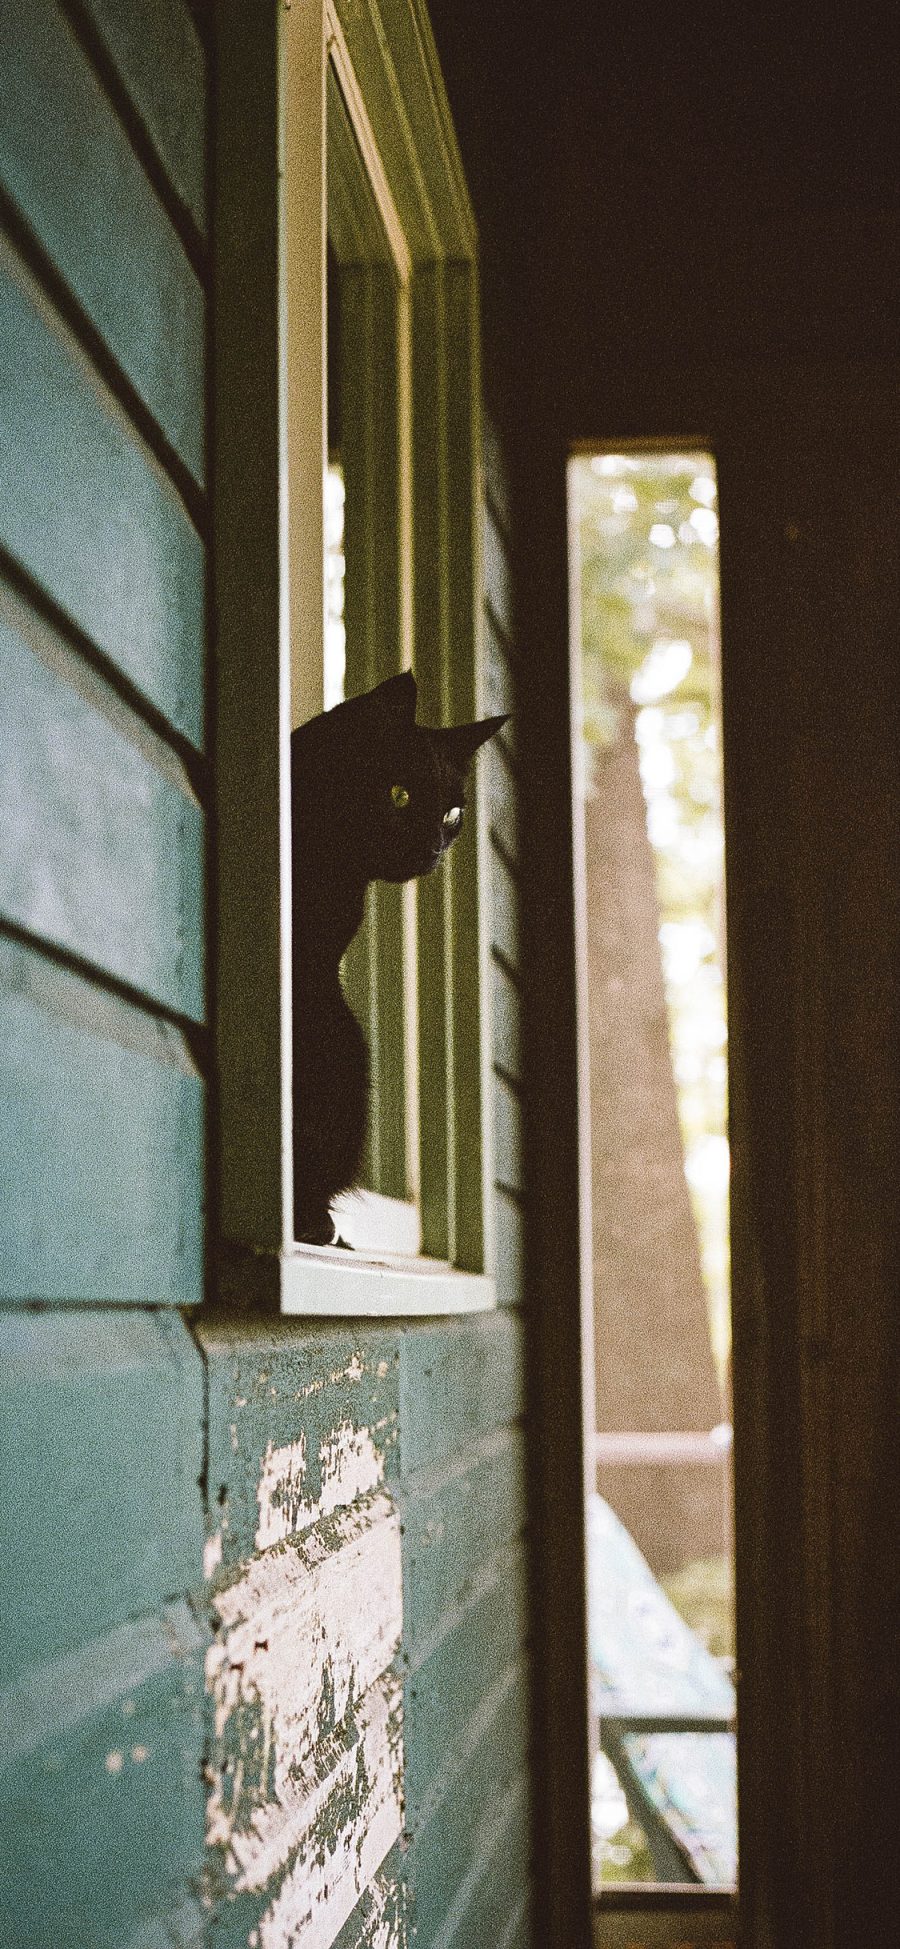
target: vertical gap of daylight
<point>645,542</point>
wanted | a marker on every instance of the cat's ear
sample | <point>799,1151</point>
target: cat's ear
<point>461,741</point>
<point>396,698</point>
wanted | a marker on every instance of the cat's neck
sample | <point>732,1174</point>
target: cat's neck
<point>328,912</point>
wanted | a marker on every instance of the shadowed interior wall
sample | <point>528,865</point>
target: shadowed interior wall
<point>713,217</point>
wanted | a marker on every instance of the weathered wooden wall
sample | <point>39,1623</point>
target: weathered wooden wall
<point>102,650</point>
<point>354,1497</point>
<point>369,1669</point>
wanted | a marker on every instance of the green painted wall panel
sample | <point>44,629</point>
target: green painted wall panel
<point>102,1517</point>
<point>489,1902</point>
<point>445,1693</point>
<point>101,1794</point>
<point>101,841</point>
<point>101,1172</point>
<point>273,1385</point>
<point>379,1920</point>
<point>306,1593</point>
<point>458,1380</point>
<point>308,1420</point>
<point>453,1524</point>
<point>161,63</point>
<point>100,1503</point>
<point>90,516</point>
<point>181,1925</point>
<point>475,1783</point>
<point>85,195</point>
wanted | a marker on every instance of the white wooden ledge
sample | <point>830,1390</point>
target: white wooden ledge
<point>322,1280</point>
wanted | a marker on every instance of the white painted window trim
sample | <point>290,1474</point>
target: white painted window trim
<point>270,435</point>
<point>315,1281</point>
<point>325,1280</point>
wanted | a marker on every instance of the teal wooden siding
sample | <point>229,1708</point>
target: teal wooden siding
<point>264,1647</point>
<point>366,1551</point>
<point>102,973</point>
<point>101,1711</point>
<point>102,665</point>
<point>369,1760</point>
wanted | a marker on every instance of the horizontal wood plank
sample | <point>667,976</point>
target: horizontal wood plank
<point>101,850</point>
<point>160,60</point>
<point>444,1694</point>
<point>101,1794</point>
<point>379,1919</point>
<point>306,1589</point>
<point>453,1524</point>
<point>519,1930</point>
<point>87,199</point>
<point>102,1168</point>
<point>90,516</point>
<point>507,1136</point>
<point>179,1924</point>
<point>100,1503</point>
<point>488,1901</point>
<point>442,1850</point>
<point>457,1382</point>
<point>285,1404</point>
<point>306,1764</point>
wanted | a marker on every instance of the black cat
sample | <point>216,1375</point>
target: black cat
<point>374,796</point>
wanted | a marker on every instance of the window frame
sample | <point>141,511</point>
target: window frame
<point>370,340</point>
<point>270,359</point>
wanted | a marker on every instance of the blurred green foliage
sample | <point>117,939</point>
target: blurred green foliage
<point>647,536</point>
<point>703,1594</point>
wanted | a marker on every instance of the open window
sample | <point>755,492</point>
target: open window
<point>377,571</point>
<point>368,626</point>
<point>650,841</point>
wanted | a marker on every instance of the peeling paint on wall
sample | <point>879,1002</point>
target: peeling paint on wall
<point>307,1771</point>
<point>212,1554</point>
<point>353,1822</point>
<point>349,1465</point>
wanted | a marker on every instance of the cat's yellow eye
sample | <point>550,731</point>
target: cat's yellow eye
<point>399,796</point>
<point>452,818</point>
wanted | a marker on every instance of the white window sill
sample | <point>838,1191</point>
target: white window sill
<point>318,1281</point>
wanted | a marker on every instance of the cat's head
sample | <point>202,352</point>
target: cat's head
<point>402,784</point>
